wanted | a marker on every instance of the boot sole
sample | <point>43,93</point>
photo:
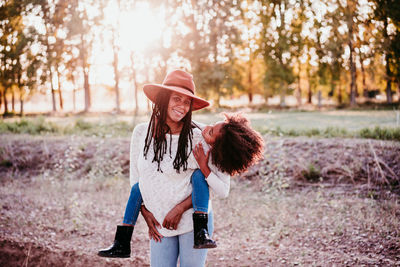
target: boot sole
<point>113,256</point>
<point>204,246</point>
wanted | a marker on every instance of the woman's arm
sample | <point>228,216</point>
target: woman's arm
<point>171,221</point>
<point>152,223</point>
<point>174,216</point>
<point>134,154</point>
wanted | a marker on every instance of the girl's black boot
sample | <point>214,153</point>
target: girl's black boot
<point>201,236</point>
<point>122,244</point>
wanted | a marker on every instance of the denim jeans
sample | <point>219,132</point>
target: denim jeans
<point>167,252</point>
<point>200,193</point>
<point>133,206</point>
<point>200,198</point>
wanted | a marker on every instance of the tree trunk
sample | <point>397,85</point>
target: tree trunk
<point>309,91</point>
<point>250,80</point>
<point>85,69</point>
<point>21,107</point>
<point>116,71</point>
<point>116,78</point>
<point>5,101</point>
<point>398,90</point>
<point>53,93</point>
<point>1,98</point>
<point>87,90</point>
<point>74,99</point>
<point>365,89</point>
<point>73,92</point>
<point>298,95</point>
<point>60,98</point>
<point>12,101</point>
<point>388,71</point>
<point>333,88</point>
<point>134,78</point>
<point>282,95</point>
<point>353,84</point>
<point>319,99</point>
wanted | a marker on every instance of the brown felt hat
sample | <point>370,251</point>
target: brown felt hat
<point>176,81</point>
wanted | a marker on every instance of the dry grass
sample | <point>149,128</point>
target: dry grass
<point>62,197</point>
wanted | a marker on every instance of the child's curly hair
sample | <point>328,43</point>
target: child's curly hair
<point>238,146</point>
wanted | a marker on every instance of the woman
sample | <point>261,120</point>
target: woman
<point>162,162</point>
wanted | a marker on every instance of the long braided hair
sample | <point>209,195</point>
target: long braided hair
<point>158,130</point>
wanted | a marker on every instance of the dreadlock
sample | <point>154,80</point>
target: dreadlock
<point>158,129</point>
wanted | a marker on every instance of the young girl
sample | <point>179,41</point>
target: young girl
<point>234,146</point>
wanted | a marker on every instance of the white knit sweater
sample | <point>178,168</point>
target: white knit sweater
<point>161,191</point>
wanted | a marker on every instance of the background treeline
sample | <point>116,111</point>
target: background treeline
<point>343,49</point>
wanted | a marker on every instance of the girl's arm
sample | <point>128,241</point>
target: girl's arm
<point>174,216</point>
<point>218,181</point>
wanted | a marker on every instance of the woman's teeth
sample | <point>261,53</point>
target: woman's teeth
<point>178,112</point>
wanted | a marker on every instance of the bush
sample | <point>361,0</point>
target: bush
<point>39,126</point>
<point>312,173</point>
<point>380,133</point>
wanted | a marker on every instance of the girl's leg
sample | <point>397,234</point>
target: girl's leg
<point>200,198</point>
<point>164,253</point>
<point>121,248</point>
<point>133,206</point>
<point>200,193</point>
<point>188,256</point>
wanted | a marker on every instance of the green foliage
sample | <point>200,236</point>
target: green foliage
<point>312,173</point>
<point>40,126</point>
<point>34,127</point>
<point>380,133</point>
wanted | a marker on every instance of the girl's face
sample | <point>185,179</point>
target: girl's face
<point>178,107</point>
<point>211,132</point>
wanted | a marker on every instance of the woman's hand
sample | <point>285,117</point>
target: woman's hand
<point>202,159</point>
<point>152,223</point>
<point>173,218</point>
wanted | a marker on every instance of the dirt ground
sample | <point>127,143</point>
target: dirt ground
<point>310,202</point>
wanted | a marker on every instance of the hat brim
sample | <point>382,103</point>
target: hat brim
<point>151,91</point>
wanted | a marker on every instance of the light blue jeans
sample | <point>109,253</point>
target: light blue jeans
<point>167,252</point>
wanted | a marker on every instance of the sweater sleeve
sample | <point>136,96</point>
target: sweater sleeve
<point>218,181</point>
<point>134,154</point>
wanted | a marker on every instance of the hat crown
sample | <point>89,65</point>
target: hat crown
<point>180,78</point>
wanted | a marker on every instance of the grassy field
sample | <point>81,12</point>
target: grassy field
<point>340,123</point>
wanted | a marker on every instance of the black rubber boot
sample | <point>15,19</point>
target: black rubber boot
<point>122,244</point>
<point>201,237</point>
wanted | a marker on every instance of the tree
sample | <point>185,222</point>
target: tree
<point>53,14</point>
<point>11,27</point>
<point>81,33</point>
<point>298,43</point>
<point>275,47</point>
<point>388,12</point>
<point>334,50</point>
<point>207,44</point>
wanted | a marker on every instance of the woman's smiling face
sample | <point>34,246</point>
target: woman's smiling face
<point>178,107</point>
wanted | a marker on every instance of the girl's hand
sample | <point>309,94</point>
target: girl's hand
<point>152,223</point>
<point>202,159</point>
<point>173,218</point>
